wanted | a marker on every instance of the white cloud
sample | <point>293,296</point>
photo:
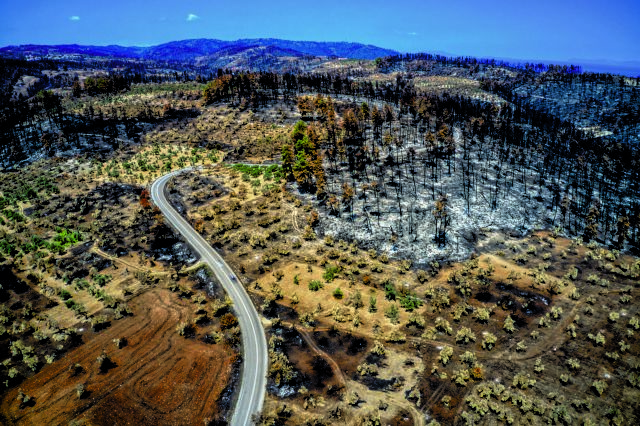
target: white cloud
<point>192,17</point>
<point>413,33</point>
<point>74,18</point>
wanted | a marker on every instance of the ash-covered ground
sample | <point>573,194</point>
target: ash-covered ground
<point>400,220</point>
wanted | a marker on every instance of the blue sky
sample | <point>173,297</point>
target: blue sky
<point>542,29</point>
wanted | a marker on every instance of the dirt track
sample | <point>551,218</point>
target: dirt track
<point>158,378</point>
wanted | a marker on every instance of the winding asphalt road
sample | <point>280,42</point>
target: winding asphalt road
<point>255,358</point>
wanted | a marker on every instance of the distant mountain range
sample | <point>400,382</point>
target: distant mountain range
<point>197,49</point>
<point>264,52</point>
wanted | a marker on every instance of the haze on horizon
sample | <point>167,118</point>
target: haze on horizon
<point>547,30</point>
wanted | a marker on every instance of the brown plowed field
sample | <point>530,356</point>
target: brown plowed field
<point>158,378</point>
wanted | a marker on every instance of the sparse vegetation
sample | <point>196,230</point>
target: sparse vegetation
<point>354,211</point>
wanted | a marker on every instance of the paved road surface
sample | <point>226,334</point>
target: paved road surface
<point>255,358</point>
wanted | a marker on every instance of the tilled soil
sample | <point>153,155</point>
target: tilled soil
<point>159,377</point>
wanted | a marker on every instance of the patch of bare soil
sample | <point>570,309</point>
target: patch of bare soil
<point>158,377</point>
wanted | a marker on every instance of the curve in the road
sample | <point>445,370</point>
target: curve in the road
<point>255,358</point>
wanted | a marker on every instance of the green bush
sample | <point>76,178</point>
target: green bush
<point>7,248</point>
<point>337,293</point>
<point>63,240</point>
<point>33,245</point>
<point>13,216</point>
<point>372,304</point>
<point>330,273</point>
<point>390,292</point>
<point>315,285</point>
<point>102,279</point>
<point>255,171</point>
<point>392,313</point>
<point>410,302</point>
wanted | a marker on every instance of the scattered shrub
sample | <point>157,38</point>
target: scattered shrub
<point>315,285</point>
<point>337,293</point>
